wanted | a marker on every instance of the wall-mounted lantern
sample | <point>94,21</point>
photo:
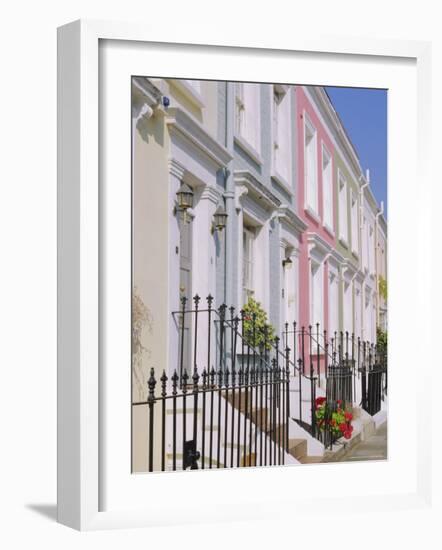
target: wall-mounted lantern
<point>219,219</point>
<point>287,263</point>
<point>184,198</point>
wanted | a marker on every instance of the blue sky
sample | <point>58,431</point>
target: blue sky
<point>363,112</point>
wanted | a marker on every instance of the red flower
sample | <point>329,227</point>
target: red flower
<point>343,427</point>
<point>348,416</point>
<point>347,434</point>
<point>339,402</point>
<point>320,401</point>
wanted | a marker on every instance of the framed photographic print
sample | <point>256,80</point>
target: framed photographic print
<point>232,230</point>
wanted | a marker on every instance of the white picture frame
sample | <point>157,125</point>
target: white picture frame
<point>80,445</point>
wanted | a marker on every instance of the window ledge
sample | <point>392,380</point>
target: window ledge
<point>248,149</point>
<point>282,182</point>
<point>343,241</point>
<point>309,210</point>
<point>190,92</point>
<point>329,230</point>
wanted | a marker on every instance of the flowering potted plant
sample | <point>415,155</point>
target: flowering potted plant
<point>338,421</point>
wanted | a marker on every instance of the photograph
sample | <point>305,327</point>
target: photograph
<point>259,274</point>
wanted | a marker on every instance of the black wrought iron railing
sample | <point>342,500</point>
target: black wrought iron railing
<point>218,419</point>
<point>234,390</point>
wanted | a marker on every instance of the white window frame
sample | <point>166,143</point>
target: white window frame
<point>347,306</point>
<point>191,89</point>
<point>311,195</point>
<point>333,302</point>
<point>248,289</point>
<point>354,223</point>
<point>281,136</point>
<point>343,208</point>
<point>316,269</point>
<point>248,107</point>
<point>371,250</point>
<point>327,183</point>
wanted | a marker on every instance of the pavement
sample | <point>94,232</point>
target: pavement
<point>373,448</point>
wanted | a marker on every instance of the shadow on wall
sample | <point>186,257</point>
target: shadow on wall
<point>151,128</point>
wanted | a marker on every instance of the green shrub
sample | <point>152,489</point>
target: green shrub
<point>257,337</point>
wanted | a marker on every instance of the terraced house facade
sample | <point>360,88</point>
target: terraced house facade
<point>245,193</point>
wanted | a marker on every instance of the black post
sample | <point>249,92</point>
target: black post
<point>220,383</point>
<point>325,355</point>
<point>318,354</point>
<point>209,327</point>
<point>183,315</point>
<point>196,299</point>
<point>212,386</point>
<point>226,411</point>
<point>185,379</point>
<point>195,379</point>
<point>303,349</point>
<point>222,314</point>
<point>203,423</point>
<point>175,379</point>
<point>151,402</point>
<point>163,420</point>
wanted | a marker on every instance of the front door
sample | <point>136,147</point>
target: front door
<point>185,290</point>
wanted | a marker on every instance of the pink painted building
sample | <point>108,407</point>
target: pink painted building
<point>318,268</point>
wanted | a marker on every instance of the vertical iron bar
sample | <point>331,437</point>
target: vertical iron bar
<point>203,421</point>
<point>220,382</point>
<point>246,404</point>
<point>185,379</point>
<point>261,411</point>
<point>226,410</point>
<point>300,391</point>
<point>195,379</point>
<point>238,435</point>
<point>274,410</point>
<point>212,385</point>
<point>222,312</point>
<point>287,405</point>
<point>196,299</point>
<point>175,379</point>
<point>209,327</point>
<point>325,355</point>
<point>232,430</point>
<point>183,314</point>
<point>266,384</point>
<point>303,349</point>
<point>318,358</point>
<point>151,403</point>
<point>163,420</point>
<point>250,412</point>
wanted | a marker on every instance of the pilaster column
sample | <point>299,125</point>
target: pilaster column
<point>176,173</point>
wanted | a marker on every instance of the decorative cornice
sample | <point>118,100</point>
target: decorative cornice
<point>145,90</point>
<point>183,125</point>
<point>335,258</point>
<point>359,277</point>
<point>240,191</point>
<point>317,246</point>
<point>256,189</point>
<point>289,217</point>
<point>176,168</point>
<point>211,193</point>
<point>349,270</point>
